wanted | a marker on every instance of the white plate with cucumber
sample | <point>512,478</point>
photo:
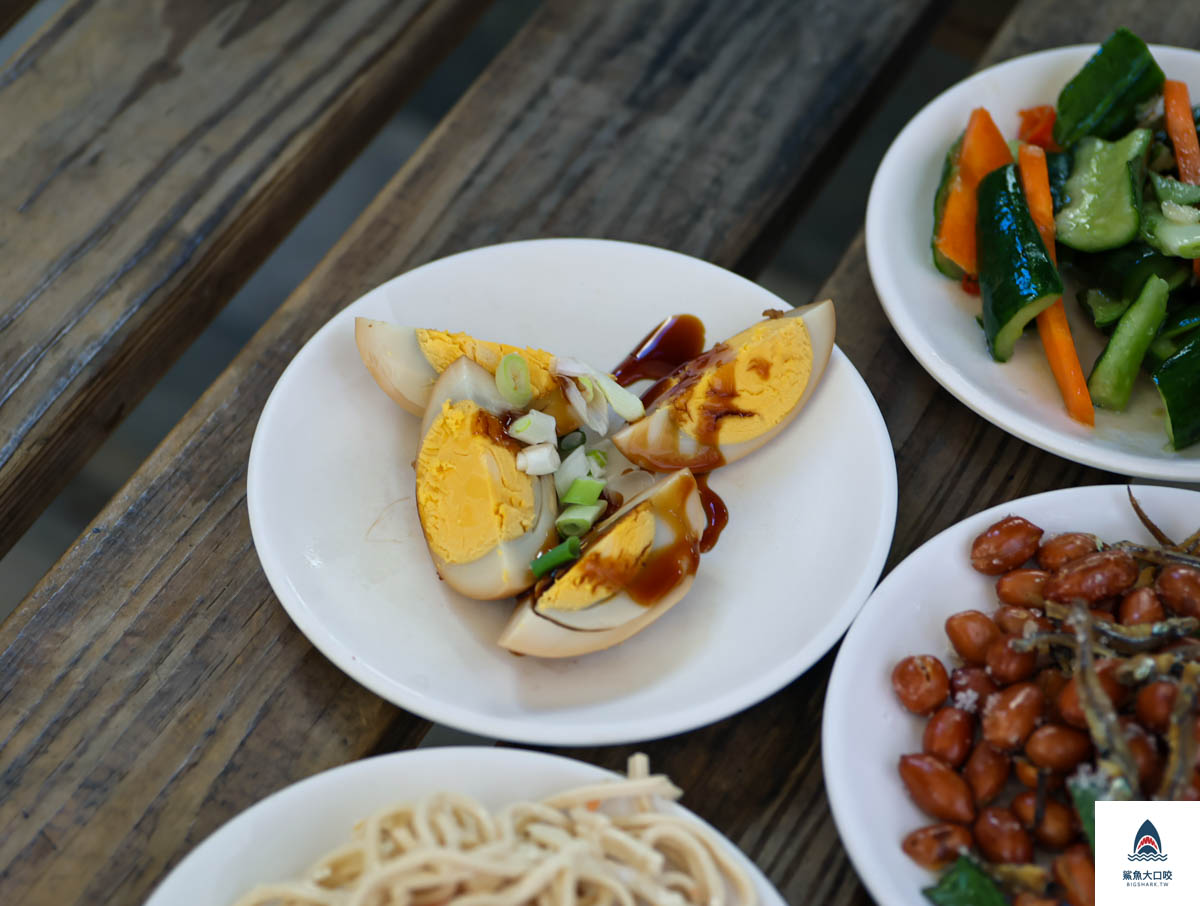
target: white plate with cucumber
<point>937,319</point>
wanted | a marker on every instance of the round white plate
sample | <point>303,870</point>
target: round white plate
<point>866,730</point>
<point>330,493</point>
<point>285,833</point>
<point>936,319</point>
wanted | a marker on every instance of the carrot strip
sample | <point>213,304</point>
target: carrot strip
<point>1182,130</point>
<point>1052,324</point>
<point>1037,127</point>
<point>983,150</point>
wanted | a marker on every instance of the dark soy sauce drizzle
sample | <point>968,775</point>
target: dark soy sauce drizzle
<point>678,339</point>
<point>670,344</point>
<point>715,510</point>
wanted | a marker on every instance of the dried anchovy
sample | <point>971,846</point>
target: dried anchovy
<point>1115,758</point>
<point>1137,638</point>
<point>1191,543</point>
<point>1158,555</point>
<point>1142,667</point>
<point>1016,876</point>
<point>1159,535</point>
<point>1043,641</point>
<point>1180,737</point>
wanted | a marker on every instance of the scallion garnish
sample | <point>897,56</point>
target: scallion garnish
<point>597,463</point>
<point>538,459</point>
<point>555,557</point>
<point>584,491</point>
<point>512,380</point>
<point>575,520</point>
<point>534,427</point>
<point>569,442</point>
<point>624,403</point>
<point>574,465</point>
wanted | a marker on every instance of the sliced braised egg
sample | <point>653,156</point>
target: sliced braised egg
<point>484,520</point>
<point>634,567</point>
<point>732,399</point>
<point>406,361</point>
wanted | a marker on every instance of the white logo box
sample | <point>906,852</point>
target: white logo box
<point>1165,871</point>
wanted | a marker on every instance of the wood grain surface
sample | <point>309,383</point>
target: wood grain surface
<point>757,776</point>
<point>151,686</point>
<point>153,153</point>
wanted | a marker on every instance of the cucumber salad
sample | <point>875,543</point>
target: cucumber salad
<point>1104,186</point>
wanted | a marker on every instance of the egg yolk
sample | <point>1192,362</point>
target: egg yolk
<point>746,385</point>
<point>610,563</point>
<point>470,494</point>
<point>441,348</point>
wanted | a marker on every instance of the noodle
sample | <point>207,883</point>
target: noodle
<point>563,851</point>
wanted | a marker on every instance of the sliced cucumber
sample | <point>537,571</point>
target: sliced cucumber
<point>1104,189</point>
<point>1121,273</point>
<point>1103,97</point>
<point>1017,280</point>
<point>949,174</point>
<point>1178,382</point>
<point>1058,168</point>
<point>1169,237</point>
<point>1167,188</point>
<point>1104,310</point>
<point>1111,381</point>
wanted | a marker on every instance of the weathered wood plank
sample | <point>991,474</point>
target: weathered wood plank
<point>758,776</point>
<point>12,11</point>
<point>153,154</point>
<point>152,675</point>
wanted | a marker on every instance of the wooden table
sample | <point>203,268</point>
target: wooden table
<point>154,151</point>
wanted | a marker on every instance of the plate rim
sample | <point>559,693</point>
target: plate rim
<point>544,730</point>
<point>1051,439</point>
<point>395,762</point>
<point>837,785</point>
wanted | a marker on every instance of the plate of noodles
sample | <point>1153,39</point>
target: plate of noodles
<point>471,825</point>
<point>333,495</point>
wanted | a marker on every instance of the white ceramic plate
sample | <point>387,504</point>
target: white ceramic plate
<point>866,730</point>
<point>936,319</point>
<point>285,833</point>
<point>330,490</point>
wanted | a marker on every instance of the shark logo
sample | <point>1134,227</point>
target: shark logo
<point>1147,845</point>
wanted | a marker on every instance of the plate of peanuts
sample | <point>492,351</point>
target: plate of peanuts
<point>1010,672</point>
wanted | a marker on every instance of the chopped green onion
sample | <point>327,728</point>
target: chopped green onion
<point>555,557</point>
<point>574,465</point>
<point>512,380</point>
<point>624,403</point>
<point>534,427</point>
<point>538,459</point>
<point>575,520</point>
<point>586,387</point>
<point>569,442</point>
<point>597,463</point>
<point>585,491</point>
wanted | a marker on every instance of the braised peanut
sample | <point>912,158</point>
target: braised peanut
<point>1051,681</point>
<point>1005,545</point>
<point>1140,606</point>
<point>1055,553</point>
<point>1145,754</point>
<point>1000,836</point>
<point>936,788</point>
<point>971,632</point>
<point>970,688</point>
<point>1075,872</point>
<point>1153,705</point>
<point>921,683</point>
<point>1057,747</point>
<point>986,772</point>
<point>1027,773</point>
<point>1090,578</point>
<point>936,846</point>
<point>1012,619</point>
<point>1068,700</point>
<point>1010,715</point>
<point>1022,587</point>
<point>1006,665</point>
<point>1058,827</point>
<point>948,735</point>
<point>1179,588</point>
<point>1025,898</point>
